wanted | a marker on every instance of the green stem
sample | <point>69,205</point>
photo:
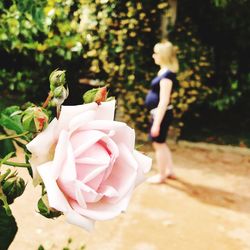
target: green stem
<point>16,164</point>
<point>13,136</point>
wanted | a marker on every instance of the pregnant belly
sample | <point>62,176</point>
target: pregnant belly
<point>152,100</point>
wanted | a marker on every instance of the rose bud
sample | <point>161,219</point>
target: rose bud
<point>60,94</point>
<point>13,187</point>
<point>57,78</point>
<point>45,210</point>
<point>34,119</point>
<point>101,95</point>
<point>97,95</point>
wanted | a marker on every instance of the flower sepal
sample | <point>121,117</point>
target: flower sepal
<point>45,210</point>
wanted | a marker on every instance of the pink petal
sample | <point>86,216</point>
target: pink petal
<point>118,131</point>
<point>93,174</point>
<point>64,169</point>
<point>56,198</point>
<point>103,210</point>
<point>125,135</point>
<point>79,196</point>
<point>81,221</point>
<point>81,119</point>
<point>90,195</point>
<point>78,191</point>
<point>108,191</point>
<point>90,173</point>
<point>106,111</point>
<point>83,140</point>
<point>124,173</point>
<point>41,145</point>
<point>69,112</point>
<point>144,166</point>
<point>60,153</point>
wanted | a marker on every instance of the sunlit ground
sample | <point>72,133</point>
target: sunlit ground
<point>207,208</point>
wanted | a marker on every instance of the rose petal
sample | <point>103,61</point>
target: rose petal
<point>124,173</point>
<point>103,154</point>
<point>79,196</point>
<point>83,140</point>
<point>103,210</point>
<point>60,153</point>
<point>81,119</point>
<point>72,189</point>
<point>119,131</point>
<point>125,135</point>
<point>66,171</point>
<point>93,174</point>
<point>90,195</point>
<point>40,146</point>
<point>103,125</point>
<point>97,145</point>
<point>106,111</point>
<point>108,191</point>
<point>69,112</point>
<point>144,166</point>
<point>81,221</point>
<point>56,198</point>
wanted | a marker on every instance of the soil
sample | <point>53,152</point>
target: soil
<point>206,208</point>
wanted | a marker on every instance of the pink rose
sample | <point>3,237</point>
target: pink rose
<point>88,163</point>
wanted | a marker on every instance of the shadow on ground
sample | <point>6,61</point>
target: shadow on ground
<point>213,196</point>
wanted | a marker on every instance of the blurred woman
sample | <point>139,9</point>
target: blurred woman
<point>161,110</point>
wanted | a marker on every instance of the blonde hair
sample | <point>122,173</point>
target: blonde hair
<point>167,53</point>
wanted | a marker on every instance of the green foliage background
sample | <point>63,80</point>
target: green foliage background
<point>222,28</point>
<point>113,40</point>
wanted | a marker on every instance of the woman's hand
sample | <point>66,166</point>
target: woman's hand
<point>155,130</point>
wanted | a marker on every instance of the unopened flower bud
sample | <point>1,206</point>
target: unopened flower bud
<point>57,78</point>
<point>45,210</point>
<point>97,95</point>
<point>35,119</point>
<point>60,94</point>
<point>101,95</point>
<point>13,187</point>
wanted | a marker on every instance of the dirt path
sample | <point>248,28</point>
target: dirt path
<point>207,208</point>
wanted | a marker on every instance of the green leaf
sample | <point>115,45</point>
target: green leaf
<point>8,229</point>
<point>6,147</point>
<point>10,121</point>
